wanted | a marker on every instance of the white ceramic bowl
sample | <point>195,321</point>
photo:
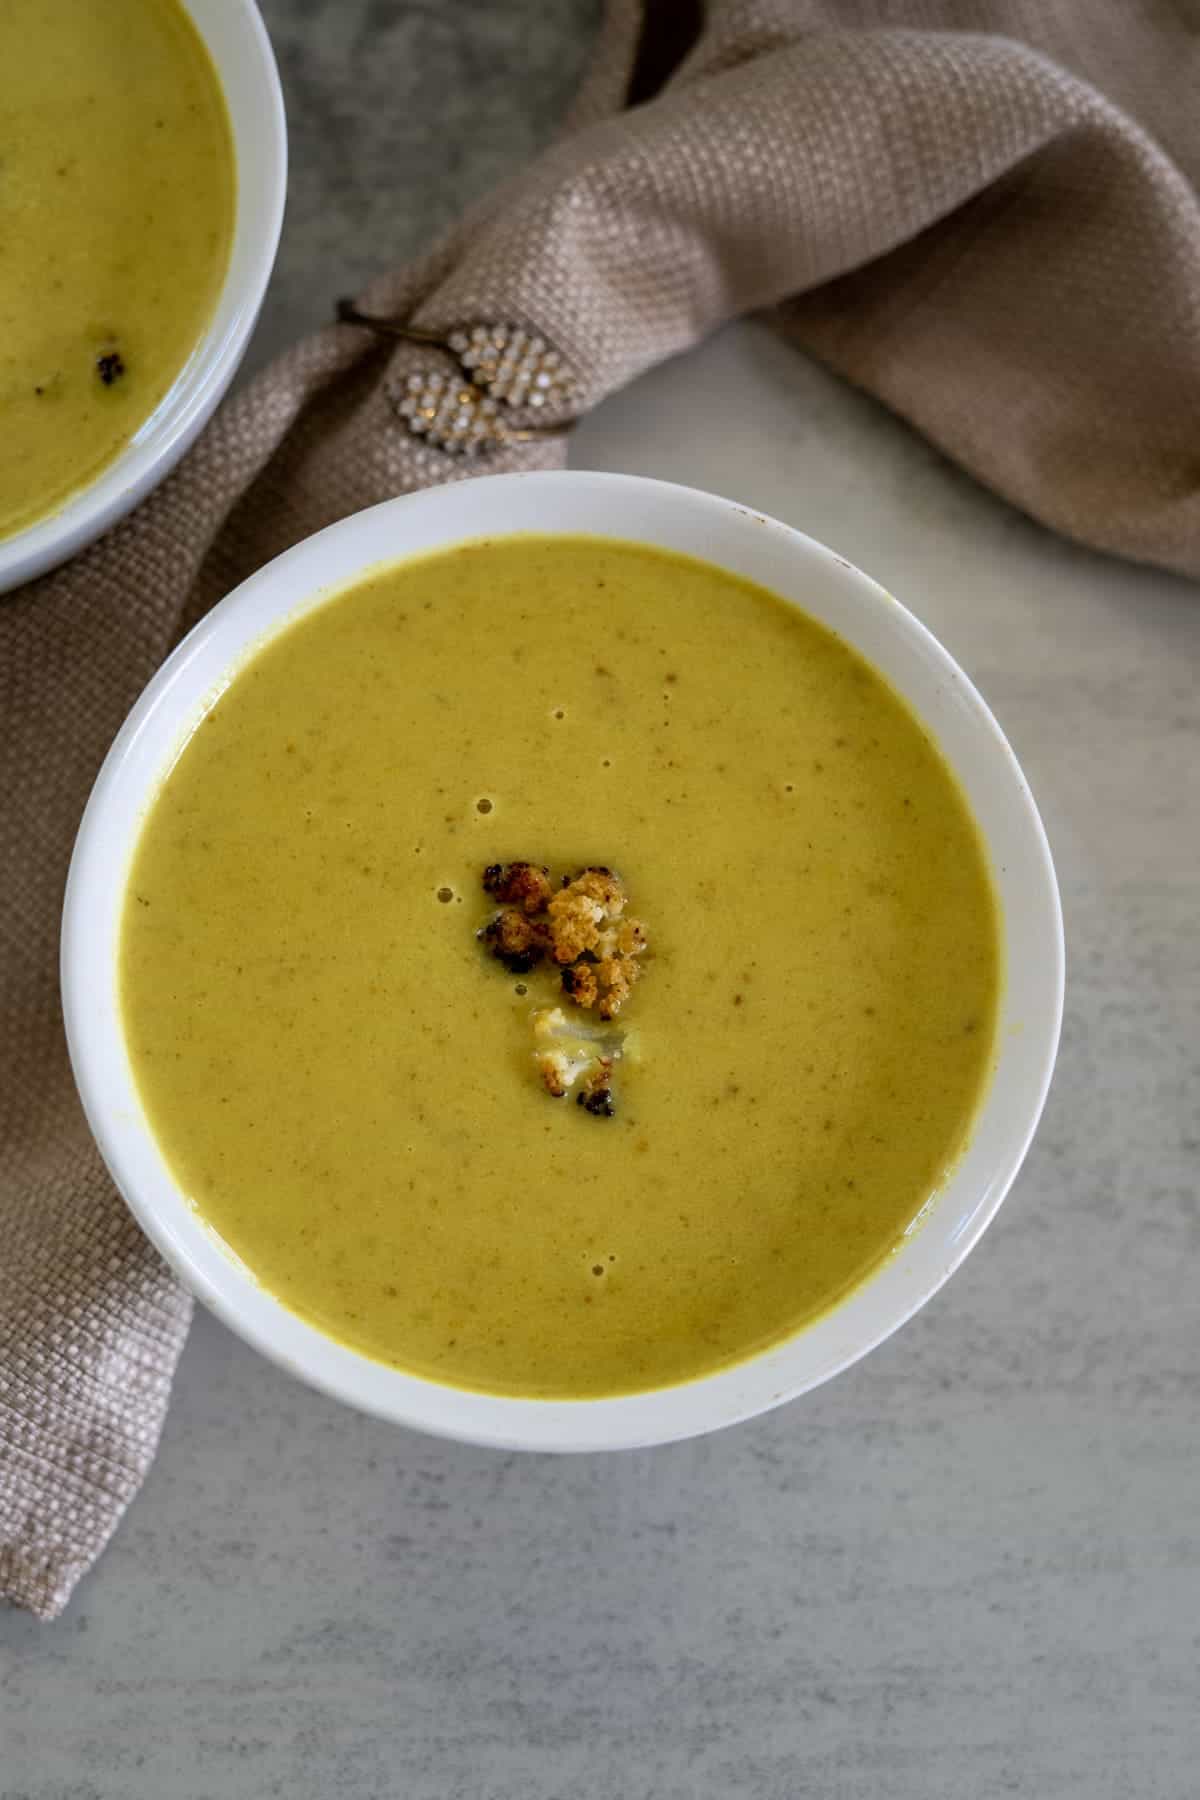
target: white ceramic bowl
<point>677,518</point>
<point>241,53</point>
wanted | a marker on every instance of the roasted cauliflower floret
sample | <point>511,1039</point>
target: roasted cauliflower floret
<point>615,977</point>
<point>566,1052</point>
<point>518,884</point>
<point>579,981</point>
<point>602,982</point>
<point>559,1070</point>
<point>518,941</point>
<point>581,909</point>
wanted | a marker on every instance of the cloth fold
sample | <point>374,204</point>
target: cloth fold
<point>982,211</point>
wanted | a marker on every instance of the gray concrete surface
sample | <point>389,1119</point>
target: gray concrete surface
<point>968,1568</point>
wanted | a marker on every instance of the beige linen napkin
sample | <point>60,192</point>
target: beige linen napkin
<point>983,211</point>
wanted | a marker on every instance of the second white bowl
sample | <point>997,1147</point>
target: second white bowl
<point>241,53</point>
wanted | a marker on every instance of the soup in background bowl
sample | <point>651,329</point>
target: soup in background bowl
<point>143,191</point>
<point>317,1060</point>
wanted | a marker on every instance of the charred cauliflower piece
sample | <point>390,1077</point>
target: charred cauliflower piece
<point>516,936</point>
<point>518,884</point>
<point>518,941</point>
<point>579,981</point>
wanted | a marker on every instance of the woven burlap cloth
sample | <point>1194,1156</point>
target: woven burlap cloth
<point>984,212</point>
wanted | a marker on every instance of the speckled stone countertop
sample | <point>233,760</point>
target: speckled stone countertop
<point>968,1568</point>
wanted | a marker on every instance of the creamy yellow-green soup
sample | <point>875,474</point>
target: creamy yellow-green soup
<point>116,216</point>
<point>341,1077</point>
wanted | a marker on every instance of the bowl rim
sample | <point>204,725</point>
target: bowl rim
<point>253,96</point>
<point>142,753</point>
